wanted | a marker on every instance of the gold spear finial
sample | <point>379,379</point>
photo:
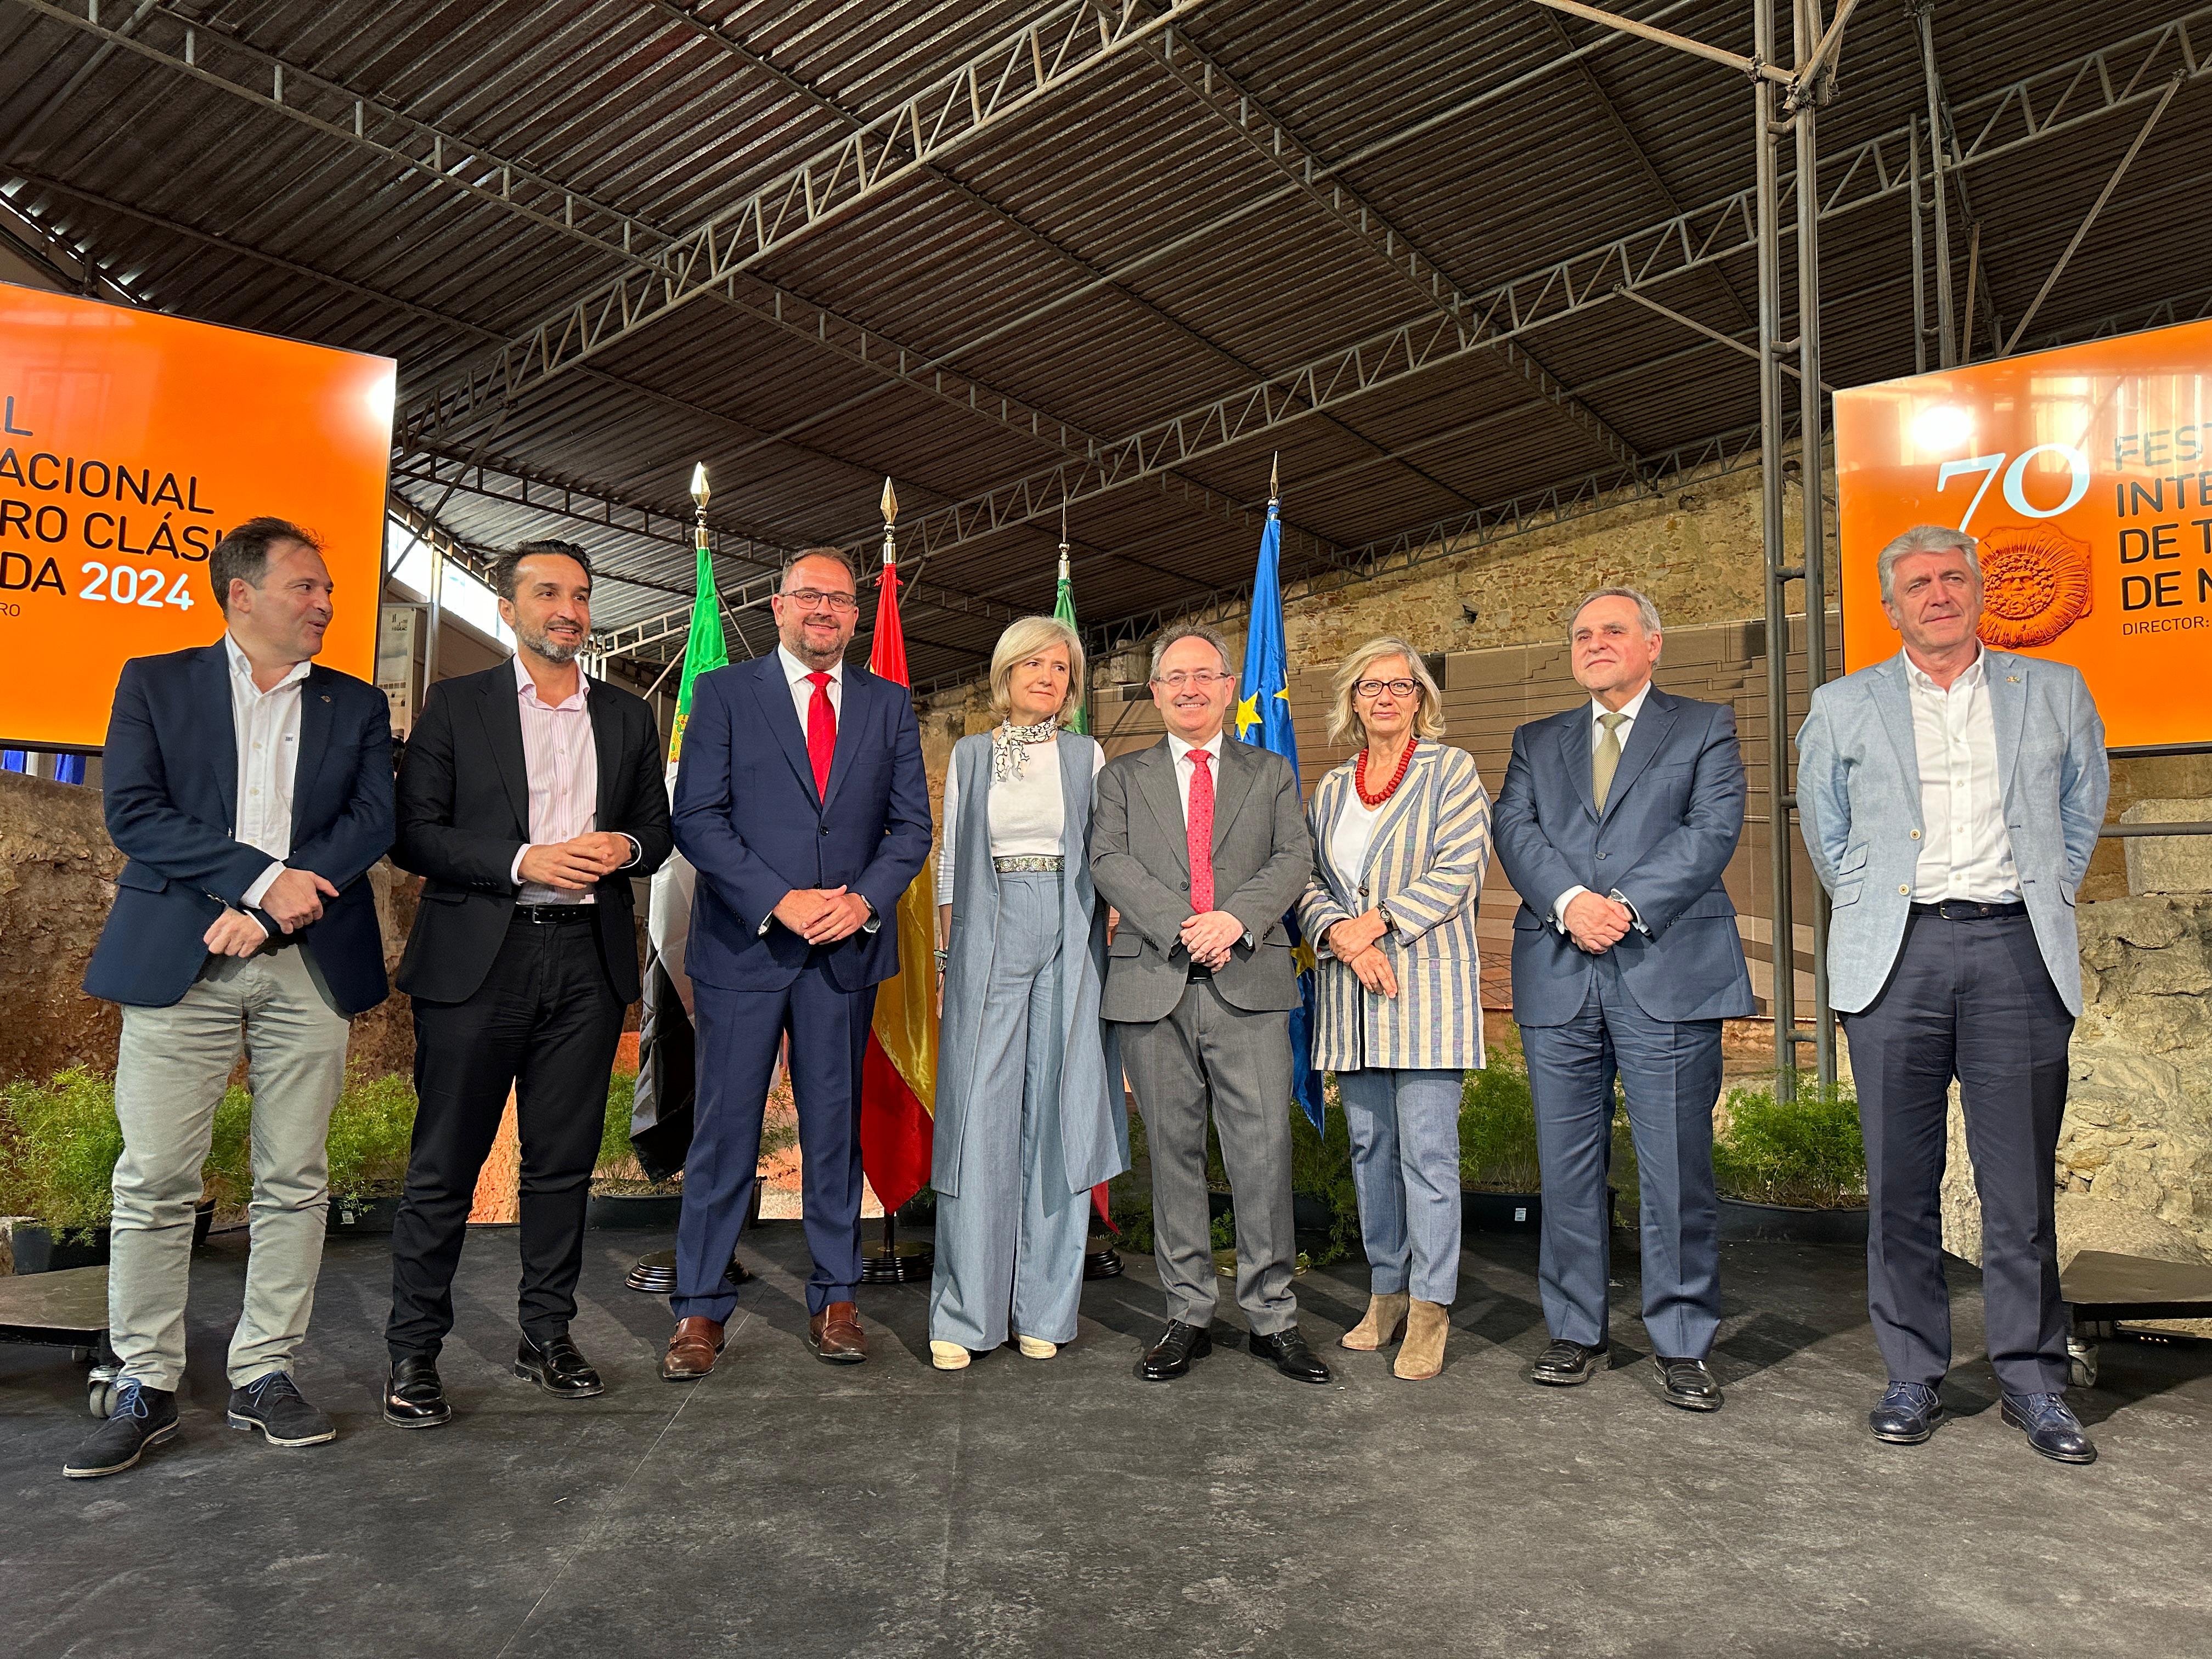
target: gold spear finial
<point>889,505</point>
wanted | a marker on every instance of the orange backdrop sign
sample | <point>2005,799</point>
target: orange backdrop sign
<point>2086,473</point>
<point>130,441</point>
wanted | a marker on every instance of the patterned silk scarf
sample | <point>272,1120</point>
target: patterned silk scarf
<point>1010,747</point>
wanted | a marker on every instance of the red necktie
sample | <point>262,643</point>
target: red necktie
<point>1198,826</point>
<point>821,733</point>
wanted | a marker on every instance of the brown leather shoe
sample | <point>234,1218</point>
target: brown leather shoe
<point>692,1349</point>
<point>835,1335</point>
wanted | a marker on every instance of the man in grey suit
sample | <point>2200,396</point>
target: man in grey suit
<point>1200,842</point>
<point>1951,797</point>
<point>1617,819</point>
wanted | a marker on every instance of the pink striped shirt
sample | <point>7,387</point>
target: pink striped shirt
<point>563,766</point>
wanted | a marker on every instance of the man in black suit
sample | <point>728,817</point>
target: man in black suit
<point>530,797</point>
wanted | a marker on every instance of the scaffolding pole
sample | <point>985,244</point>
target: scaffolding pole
<point>1783,948</point>
<point>1939,145</point>
<point>1810,424</point>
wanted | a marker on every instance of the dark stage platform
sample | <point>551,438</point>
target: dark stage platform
<point>783,1507</point>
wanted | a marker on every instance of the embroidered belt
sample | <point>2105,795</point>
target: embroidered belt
<point>1030,864</point>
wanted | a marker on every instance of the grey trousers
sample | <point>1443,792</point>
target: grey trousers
<point>170,1074</point>
<point>1205,1053</point>
<point>1014,1233</point>
<point>1404,1167</point>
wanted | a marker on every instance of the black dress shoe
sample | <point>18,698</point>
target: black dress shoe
<point>273,1404</point>
<point>142,1417</point>
<point>1170,1356</point>
<point>1687,1383</point>
<point>1565,1364</point>
<point>556,1366</point>
<point>1287,1353</point>
<point>2052,1429</point>
<point>1907,1415</point>
<point>413,1398</point>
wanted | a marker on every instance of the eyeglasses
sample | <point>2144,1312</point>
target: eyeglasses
<point>813,599</point>
<point>1194,679</point>
<point>1373,689</point>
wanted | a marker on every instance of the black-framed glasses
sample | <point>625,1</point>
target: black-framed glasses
<point>1372,689</point>
<point>813,599</point>
<point>1200,678</point>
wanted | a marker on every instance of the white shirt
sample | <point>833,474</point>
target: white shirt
<point>1353,834</point>
<point>267,727</point>
<point>1186,768</point>
<point>1028,815</point>
<point>802,688</point>
<point>1965,853</point>
<point>562,763</point>
<point>1628,711</point>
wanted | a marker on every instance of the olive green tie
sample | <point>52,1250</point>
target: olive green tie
<point>1608,757</point>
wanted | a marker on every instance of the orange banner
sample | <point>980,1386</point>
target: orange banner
<point>129,442</point>
<point>2086,472</point>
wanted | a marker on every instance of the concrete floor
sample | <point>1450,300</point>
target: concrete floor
<point>783,1507</point>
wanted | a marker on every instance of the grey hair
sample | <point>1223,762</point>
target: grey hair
<point>1344,721</point>
<point>1922,538</point>
<point>1647,614</point>
<point>1188,631</point>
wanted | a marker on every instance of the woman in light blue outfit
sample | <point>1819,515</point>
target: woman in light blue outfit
<point>1401,837</point>
<point>1028,1109</point>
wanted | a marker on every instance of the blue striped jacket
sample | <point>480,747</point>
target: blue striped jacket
<point>1431,851</point>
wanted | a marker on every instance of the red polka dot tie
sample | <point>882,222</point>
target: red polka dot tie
<point>1197,824</point>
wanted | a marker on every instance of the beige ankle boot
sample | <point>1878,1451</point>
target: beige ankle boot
<point>1423,1355</point>
<point>1384,1324</point>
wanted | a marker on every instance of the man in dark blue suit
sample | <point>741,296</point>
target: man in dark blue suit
<point>250,790</point>
<point>1616,822</point>
<point>801,801</point>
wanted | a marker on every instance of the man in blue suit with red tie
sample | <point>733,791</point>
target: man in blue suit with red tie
<point>801,801</point>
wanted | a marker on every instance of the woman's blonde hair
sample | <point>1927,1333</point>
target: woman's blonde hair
<point>1023,640</point>
<point>1344,725</point>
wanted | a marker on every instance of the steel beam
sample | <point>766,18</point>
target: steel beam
<point>1269,137</point>
<point>1923,12</point>
<point>2003,122</point>
<point>1814,51</point>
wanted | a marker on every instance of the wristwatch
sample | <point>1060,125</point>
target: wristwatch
<point>1390,922</point>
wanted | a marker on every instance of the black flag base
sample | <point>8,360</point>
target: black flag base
<point>892,1261</point>
<point>655,1272</point>
<point>1100,1259</point>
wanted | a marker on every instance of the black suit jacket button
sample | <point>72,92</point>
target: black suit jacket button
<point>825,829</point>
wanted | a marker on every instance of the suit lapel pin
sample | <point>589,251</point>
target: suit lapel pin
<point>2014,678</point>
<point>326,696</point>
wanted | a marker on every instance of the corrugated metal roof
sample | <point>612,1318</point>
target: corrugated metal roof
<point>432,178</point>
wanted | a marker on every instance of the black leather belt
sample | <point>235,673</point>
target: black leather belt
<point>544,914</point>
<point>1969,910</point>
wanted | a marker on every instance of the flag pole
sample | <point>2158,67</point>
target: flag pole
<point>890,1262</point>
<point>654,1272</point>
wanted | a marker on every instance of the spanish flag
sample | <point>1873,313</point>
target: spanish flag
<point>898,1077</point>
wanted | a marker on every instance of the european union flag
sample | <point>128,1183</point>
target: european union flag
<point>1263,717</point>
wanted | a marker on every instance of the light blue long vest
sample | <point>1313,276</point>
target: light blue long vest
<point>1094,1125</point>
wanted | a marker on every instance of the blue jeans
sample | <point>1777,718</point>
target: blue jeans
<point>1405,1165</point>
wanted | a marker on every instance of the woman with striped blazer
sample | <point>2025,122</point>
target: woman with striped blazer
<point>1402,837</point>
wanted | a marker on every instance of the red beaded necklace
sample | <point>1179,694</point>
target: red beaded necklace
<point>1360,777</point>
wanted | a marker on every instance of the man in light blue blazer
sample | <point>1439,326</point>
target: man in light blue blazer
<point>1615,824</point>
<point>1951,797</point>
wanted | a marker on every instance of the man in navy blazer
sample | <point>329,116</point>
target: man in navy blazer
<point>1614,825</point>
<point>250,790</point>
<point>801,801</point>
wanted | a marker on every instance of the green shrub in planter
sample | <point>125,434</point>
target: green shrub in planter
<point>59,1140</point>
<point>1806,1153</point>
<point>371,1128</point>
<point>1498,1129</point>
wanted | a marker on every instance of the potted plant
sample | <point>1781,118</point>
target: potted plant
<point>1501,1178</point>
<point>1794,1168</point>
<point>622,1195</point>
<point>58,1143</point>
<point>372,1130</point>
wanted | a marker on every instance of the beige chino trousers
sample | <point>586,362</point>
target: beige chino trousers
<point>170,1074</point>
